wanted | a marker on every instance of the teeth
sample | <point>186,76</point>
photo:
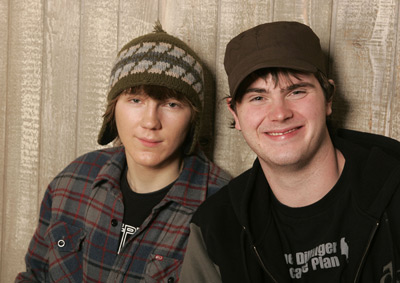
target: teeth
<point>280,134</point>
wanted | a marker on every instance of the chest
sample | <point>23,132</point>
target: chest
<point>159,245</point>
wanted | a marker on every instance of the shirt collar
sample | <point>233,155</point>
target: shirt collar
<point>189,190</point>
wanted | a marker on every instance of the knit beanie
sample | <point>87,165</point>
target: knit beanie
<point>160,59</point>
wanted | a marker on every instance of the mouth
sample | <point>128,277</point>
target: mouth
<point>149,142</point>
<point>281,133</point>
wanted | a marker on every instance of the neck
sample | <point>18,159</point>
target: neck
<point>143,179</point>
<point>305,185</point>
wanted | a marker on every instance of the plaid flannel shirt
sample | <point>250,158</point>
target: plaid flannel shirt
<point>81,216</point>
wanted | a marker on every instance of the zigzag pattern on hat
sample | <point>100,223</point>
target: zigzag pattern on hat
<point>159,58</point>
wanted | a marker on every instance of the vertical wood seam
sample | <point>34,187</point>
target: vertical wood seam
<point>332,37</point>
<point>79,71</point>
<point>388,113</point>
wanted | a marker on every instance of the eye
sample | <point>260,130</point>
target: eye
<point>172,104</point>
<point>135,100</point>
<point>296,94</point>
<point>257,98</point>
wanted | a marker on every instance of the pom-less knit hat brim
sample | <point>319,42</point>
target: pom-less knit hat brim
<point>160,59</point>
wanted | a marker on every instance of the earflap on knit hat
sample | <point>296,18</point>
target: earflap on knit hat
<point>206,137</point>
<point>159,59</point>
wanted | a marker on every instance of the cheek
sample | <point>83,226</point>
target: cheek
<point>250,118</point>
<point>314,110</point>
<point>178,125</point>
<point>184,128</point>
<point>125,120</point>
<point>118,117</point>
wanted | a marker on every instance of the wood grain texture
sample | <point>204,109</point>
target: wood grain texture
<point>98,45</point>
<point>136,18</point>
<point>364,51</point>
<point>393,121</point>
<point>3,112</point>
<point>60,88</point>
<point>24,89</point>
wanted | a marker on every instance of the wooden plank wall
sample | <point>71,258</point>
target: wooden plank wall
<point>55,57</point>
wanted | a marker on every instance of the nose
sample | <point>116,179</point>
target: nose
<point>151,117</point>
<point>280,110</point>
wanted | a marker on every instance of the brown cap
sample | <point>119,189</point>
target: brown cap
<point>289,45</point>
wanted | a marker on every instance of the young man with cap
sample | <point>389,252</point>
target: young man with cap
<point>316,206</point>
<point>122,214</point>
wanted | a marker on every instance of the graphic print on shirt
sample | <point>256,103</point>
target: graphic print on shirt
<point>324,256</point>
<point>126,232</point>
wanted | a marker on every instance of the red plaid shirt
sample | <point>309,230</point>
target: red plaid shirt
<point>80,222</point>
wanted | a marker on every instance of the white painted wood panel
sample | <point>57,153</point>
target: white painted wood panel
<point>3,109</point>
<point>136,18</point>
<point>24,90</point>
<point>364,51</point>
<point>98,46</point>
<point>58,117</point>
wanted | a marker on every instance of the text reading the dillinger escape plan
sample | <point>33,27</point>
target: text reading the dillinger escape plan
<point>323,256</point>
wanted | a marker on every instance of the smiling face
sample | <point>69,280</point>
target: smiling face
<point>284,123</point>
<point>152,130</point>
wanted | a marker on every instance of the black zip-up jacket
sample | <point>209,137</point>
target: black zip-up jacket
<point>230,240</point>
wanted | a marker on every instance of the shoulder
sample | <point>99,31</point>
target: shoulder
<point>214,214</point>
<point>87,167</point>
<point>222,205</point>
<point>217,178</point>
<point>100,156</point>
<point>373,167</point>
<point>369,141</point>
<point>95,159</point>
<point>204,172</point>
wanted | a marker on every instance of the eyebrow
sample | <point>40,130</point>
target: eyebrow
<point>298,85</point>
<point>257,90</point>
<point>288,88</point>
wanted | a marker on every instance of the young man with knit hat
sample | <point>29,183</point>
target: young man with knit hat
<point>122,214</point>
<point>318,205</point>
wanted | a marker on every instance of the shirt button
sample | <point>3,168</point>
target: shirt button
<point>61,243</point>
<point>114,222</point>
<point>171,280</point>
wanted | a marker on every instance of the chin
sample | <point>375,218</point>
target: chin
<point>148,160</point>
<point>281,160</point>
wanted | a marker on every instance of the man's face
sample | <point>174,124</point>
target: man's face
<point>152,131</point>
<point>285,124</point>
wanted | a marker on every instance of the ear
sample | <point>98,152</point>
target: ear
<point>233,112</point>
<point>329,102</point>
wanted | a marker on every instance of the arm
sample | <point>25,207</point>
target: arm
<point>197,266</point>
<point>36,257</point>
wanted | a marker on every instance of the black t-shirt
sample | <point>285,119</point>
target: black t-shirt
<point>329,240</point>
<point>315,238</point>
<point>137,207</point>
